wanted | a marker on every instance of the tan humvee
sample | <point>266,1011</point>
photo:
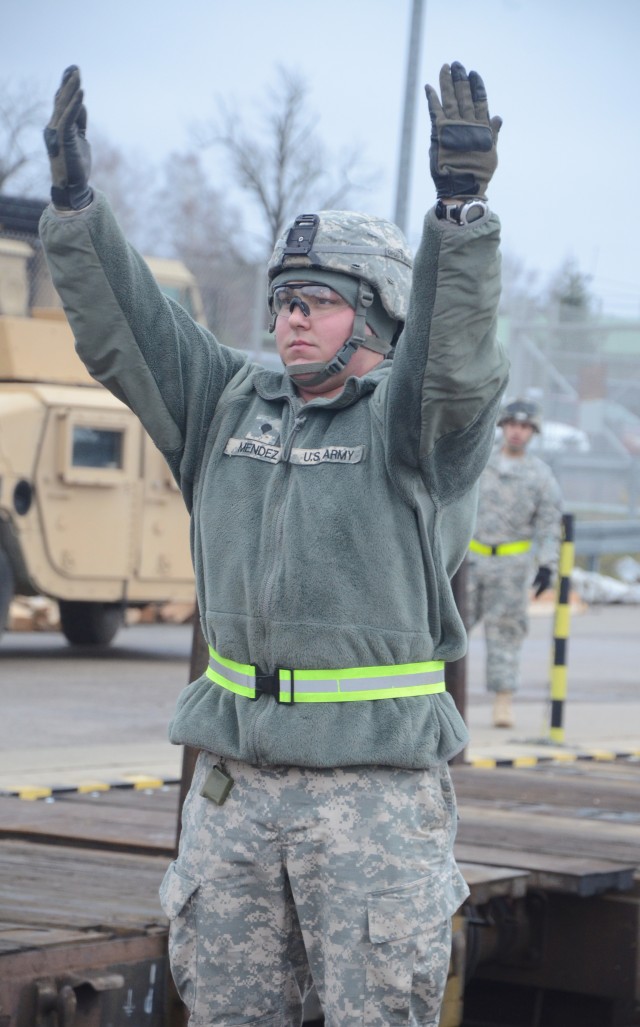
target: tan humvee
<point>89,512</point>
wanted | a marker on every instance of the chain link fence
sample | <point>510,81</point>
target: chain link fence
<point>585,377</point>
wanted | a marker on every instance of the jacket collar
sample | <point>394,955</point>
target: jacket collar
<point>273,385</point>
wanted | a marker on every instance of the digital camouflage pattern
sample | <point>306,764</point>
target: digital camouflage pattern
<point>366,855</point>
<point>498,595</point>
<point>519,499</point>
<point>360,245</point>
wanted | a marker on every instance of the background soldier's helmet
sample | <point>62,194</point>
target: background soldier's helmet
<point>524,411</point>
<point>368,249</point>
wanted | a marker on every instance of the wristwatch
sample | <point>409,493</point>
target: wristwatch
<point>462,213</point>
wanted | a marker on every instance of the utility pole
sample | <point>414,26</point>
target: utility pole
<point>408,121</point>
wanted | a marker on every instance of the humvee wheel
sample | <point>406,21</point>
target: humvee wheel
<point>6,589</point>
<point>90,623</point>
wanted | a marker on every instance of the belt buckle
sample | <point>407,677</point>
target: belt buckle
<point>269,684</point>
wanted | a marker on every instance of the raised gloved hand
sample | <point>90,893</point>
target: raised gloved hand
<point>463,153</point>
<point>542,581</point>
<point>69,152</point>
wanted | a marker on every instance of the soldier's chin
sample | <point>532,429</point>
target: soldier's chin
<point>298,364</point>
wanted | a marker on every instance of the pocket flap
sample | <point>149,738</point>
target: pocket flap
<point>175,891</point>
<point>413,908</point>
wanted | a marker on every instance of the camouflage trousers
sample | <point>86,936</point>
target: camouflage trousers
<point>339,878</point>
<point>498,595</point>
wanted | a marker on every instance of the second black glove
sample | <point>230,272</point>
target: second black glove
<point>542,581</point>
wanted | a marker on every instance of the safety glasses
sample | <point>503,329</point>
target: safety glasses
<point>312,300</point>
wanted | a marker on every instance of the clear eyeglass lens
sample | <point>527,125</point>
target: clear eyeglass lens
<point>320,299</point>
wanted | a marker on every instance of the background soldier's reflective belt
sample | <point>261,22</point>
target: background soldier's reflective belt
<point>502,549</point>
<point>348,684</point>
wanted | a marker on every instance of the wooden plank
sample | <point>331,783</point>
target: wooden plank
<point>69,888</point>
<point>23,937</point>
<point>488,882</point>
<point>574,791</point>
<point>554,872</point>
<point>536,832</point>
<point>115,827</point>
<point>607,770</point>
<point>582,813</point>
<point>158,799</point>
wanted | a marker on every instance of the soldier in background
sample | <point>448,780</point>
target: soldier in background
<point>518,528</point>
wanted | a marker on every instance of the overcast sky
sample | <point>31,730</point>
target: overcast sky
<point>563,74</point>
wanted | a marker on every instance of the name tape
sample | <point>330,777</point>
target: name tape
<point>303,457</point>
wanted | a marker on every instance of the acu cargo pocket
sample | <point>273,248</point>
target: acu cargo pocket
<point>176,899</point>
<point>408,962</point>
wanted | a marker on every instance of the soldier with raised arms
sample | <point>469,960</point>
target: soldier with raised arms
<point>331,503</point>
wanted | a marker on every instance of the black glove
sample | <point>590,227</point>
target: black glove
<point>69,152</point>
<point>541,581</point>
<point>462,154</point>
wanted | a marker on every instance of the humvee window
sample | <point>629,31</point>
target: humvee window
<point>94,447</point>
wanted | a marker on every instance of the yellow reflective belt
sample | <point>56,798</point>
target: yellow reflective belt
<point>502,549</point>
<point>347,684</point>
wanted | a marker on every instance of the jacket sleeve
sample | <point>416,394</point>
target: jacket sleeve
<point>449,371</point>
<point>134,340</point>
<point>547,528</point>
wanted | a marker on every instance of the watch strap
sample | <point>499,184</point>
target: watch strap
<point>461,213</point>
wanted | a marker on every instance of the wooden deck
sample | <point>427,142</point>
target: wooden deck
<point>82,872</point>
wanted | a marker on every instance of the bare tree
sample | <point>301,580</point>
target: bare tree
<point>520,298</point>
<point>195,219</point>
<point>128,181</point>
<point>23,167</point>
<point>192,221</point>
<point>289,171</point>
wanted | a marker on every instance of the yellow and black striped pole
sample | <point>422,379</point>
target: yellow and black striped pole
<point>561,631</point>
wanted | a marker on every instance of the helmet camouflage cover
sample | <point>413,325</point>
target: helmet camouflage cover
<point>523,411</point>
<point>365,247</point>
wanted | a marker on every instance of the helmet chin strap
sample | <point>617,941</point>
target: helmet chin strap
<point>318,372</point>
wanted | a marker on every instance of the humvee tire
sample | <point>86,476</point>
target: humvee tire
<point>6,589</point>
<point>85,623</point>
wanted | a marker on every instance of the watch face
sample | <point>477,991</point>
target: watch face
<point>473,211</point>
<point>463,213</point>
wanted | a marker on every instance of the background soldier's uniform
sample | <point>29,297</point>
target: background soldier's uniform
<point>519,500</point>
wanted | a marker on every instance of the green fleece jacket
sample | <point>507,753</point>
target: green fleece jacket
<point>323,534</point>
